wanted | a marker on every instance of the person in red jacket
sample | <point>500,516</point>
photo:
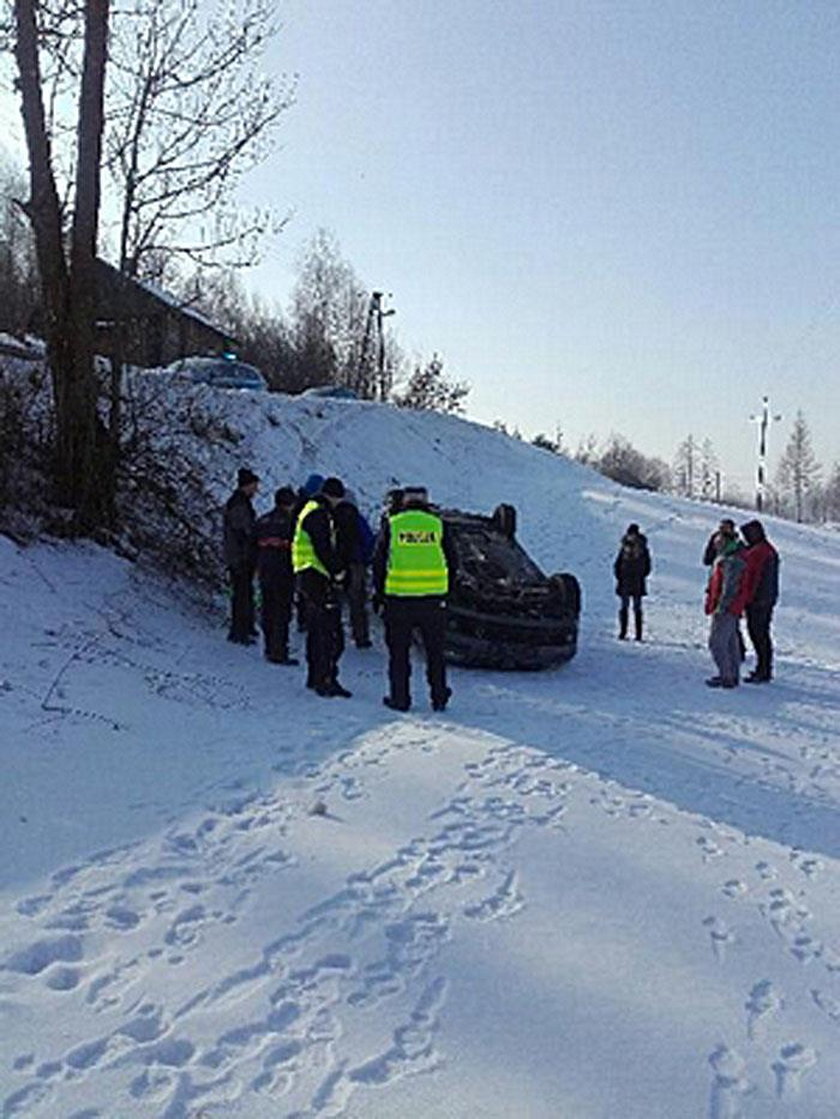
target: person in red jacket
<point>762,594</point>
<point>726,597</point>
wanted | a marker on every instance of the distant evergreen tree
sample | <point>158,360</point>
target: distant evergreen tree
<point>797,475</point>
<point>831,494</point>
<point>429,389</point>
<point>687,467</point>
<point>708,471</point>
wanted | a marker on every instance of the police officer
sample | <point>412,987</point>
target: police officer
<point>318,566</point>
<point>274,571</point>
<point>412,565</point>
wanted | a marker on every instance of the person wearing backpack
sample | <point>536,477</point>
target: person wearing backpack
<point>631,569</point>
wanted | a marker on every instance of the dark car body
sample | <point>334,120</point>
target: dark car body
<point>504,612</point>
<point>220,373</point>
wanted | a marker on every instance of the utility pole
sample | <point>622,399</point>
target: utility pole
<point>374,326</point>
<point>763,419</point>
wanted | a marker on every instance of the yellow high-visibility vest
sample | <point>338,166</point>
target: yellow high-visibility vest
<point>416,560</point>
<point>303,551</point>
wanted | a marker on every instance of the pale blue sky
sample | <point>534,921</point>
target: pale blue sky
<point>619,216</point>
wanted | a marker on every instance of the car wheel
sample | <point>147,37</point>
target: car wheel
<point>570,588</point>
<point>504,519</point>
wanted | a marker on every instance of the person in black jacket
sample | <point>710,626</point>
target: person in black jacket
<point>354,541</point>
<point>631,569</point>
<point>274,532</point>
<point>240,555</point>
<point>763,581</point>
<point>319,569</point>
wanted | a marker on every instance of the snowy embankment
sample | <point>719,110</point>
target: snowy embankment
<point>594,891</point>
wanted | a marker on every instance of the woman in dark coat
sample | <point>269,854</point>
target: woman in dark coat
<point>631,568</point>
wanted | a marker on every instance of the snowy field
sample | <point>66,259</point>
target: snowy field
<point>599,891</point>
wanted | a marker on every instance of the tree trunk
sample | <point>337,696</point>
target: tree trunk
<point>69,290</point>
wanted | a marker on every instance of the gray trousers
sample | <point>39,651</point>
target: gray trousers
<point>724,645</point>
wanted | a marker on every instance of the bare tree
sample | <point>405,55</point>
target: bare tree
<point>502,427</point>
<point>546,443</point>
<point>797,475</point>
<point>189,113</point>
<point>331,324</point>
<point>67,267</point>
<point>623,463</point>
<point>686,467</point>
<point>18,267</point>
<point>587,450</point>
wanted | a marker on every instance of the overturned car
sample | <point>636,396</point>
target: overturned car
<point>504,612</point>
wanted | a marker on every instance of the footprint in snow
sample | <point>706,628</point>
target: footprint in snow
<point>721,936</point>
<point>785,911</point>
<point>793,1062</point>
<point>805,948</point>
<point>764,1000</point>
<point>506,900</point>
<point>730,1084</point>
<point>22,1101</point>
<point>734,888</point>
<point>59,978</point>
<point>709,848</point>
<point>829,1005</point>
<point>412,1050</point>
<point>809,865</point>
<point>38,956</point>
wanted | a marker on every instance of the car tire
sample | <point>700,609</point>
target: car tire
<point>504,518</point>
<point>570,588</point>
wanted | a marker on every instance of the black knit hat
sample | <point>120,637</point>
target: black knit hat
<point>246,477</point>
<point>284,496</point>
<point>333,487</point>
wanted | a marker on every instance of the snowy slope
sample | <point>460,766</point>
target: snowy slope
<point>602,890</point>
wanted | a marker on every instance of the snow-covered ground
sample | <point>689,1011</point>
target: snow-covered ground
<point>599,891</point>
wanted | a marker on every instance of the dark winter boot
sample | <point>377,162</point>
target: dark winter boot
<point>638,620</point>
<point>622,624</point>
<point>395,704</point>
